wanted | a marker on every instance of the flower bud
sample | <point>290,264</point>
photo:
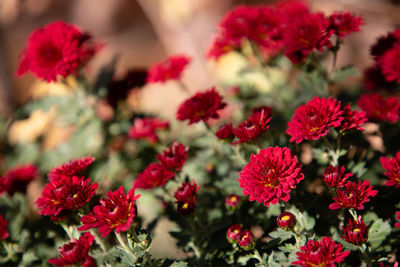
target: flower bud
<point>232,202</point>
<point>286,221</point>
<point>246,240</point>
<point>233,233</point>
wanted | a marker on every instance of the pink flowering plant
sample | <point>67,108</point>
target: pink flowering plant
<point>291,176</point>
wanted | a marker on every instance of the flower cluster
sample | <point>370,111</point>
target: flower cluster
<point>175,157</point>
<point>185,197</point>
<point>145,128</point>
<point>353,196</point>
<point>270,175</point>
<point>243,237</point>
<point>154,175</point>
<point>392,168</point>
<point>356,232</point>
<point>71,168</point>
<point>169,69</point>
<point>378,108</point>
<point>17,178</point>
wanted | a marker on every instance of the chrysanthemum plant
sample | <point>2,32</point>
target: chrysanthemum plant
<point>288,163</point>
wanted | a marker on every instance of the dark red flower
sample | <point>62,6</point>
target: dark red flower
<point>356,232</point>
<point>3,228</point>
<point>270,175</point>
<point>390,64</point>
<point>220,46</point>
<point>353,119</point>
<point>186,197</point>
<point>335,177</point>
<point>58,49</point>
<point>323,253</point>
<point>353,196</point>
<point>145,128</point>
<point>201,106</point>
<point>225,132</point>
<point>115,212</point>
<point>76,252</point>
<point>155,175</point>
<point>246,240</point>
<point>291,8</point>
<point>18,178</point>
<point>392,168</point>
<point>175,157</point>
<point>312,120</point>
<point>71,168</point>
<point>305,34</point>
<point>286,220</point>
<point>233,233</point>
<point>379,109</point>
<point>169,69</point>
<point>232,201</point>
<point>385,43</point>
<point>3,185</point>
<point>344,23</point>
<point>64,194</point>
<point>397,224</point>
<point>373,79</point>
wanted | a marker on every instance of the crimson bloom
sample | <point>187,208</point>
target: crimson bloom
<point>335,177</point>
<point>323,253</point>
<point>270,175</point>
<point>373,79</point>
<point>353,119</point>
<point>232,201</point>
<point>65,194</point>
<point>169,69</point>
<point>398,218</point>
<point>286,220</point>
<point>246,240</point>
<point>175,157</point>
<point>155,175</point>
<point>3,228</point>
<point>356,232</point>
<point>233,233</point>
<point>58,49</point>
<point>71,168</point>
<point>18,178</point>
<point>344,23</point>
<point>353,196</point>
<point>115,212</point>
<point>201,106</point>
<point>379,109</point>
<point>186,197</point>
<point>145,128</point>
<point>312,120</point>
<point>76,252</point>
<point>225,132</point>
<point>392,168</point>
<point>390,64</point>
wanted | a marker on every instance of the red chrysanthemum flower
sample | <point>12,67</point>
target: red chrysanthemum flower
<point>291,8</point>
<point>246,240</point>
<point>312,120</point>
<point>344,23</point>
<point>3,228</point>
<point>76,252</point>
<point>175,157</point>
<point>18,178</point>
<point>397,224</point>
<point>71,168</point>
<point>225,132</point>
<point>335,177</point>
<point>385,43</point>
<point>58,49</point>
<point>232,201</point>
<point>202,106</point>
<point>169,69</point>
<point>221,46</point>
<point>356,232</point>
<point>373,79</point>
<point>270,175</point>
<point>353,119</point>
<point>233,233</point>
<point>116,212</point>
<point>323,253</point>
<point>379,109</point>
<point>186,197</point>
<point>286,220</point>
<point>390,64</point>
<point>145,128</point>
<point>306,33</point>
<point>392,168</point>
<point>64,194</point>
<point>155,175</point>
<point>353,196</point>
<point>254,126</point>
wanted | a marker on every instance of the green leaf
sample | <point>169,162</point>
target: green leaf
<point>281,234</point>
<point>179,264</point>
<point>377,233</point>
<point>341,75</point>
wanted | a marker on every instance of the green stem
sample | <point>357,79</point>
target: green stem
<point>259,258</point>
<point>236,150</point>
<point>125,246</point>
<point>368,259</point>
<point>98,240</point>
<point>353,214</point>
<point>68,231</point>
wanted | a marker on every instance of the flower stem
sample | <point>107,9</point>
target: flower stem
<point>259,258</point>
<point>368,260</point>
<point>353,214</point>
<point>98,240</point>
<point>68,230</point>
<point>125,247</point>
<point>236,150</point>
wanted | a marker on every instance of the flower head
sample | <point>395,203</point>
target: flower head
<point>392,168</point>
<point>115,212</point>
<point>3,228</point>
<point>18,178</point>
<point>344,23</point>
<point>353,196</point>
<point>254,126</point>
<point>353,119</point>
<point>201,106</point>
<point>169,69</point>
<point>323,253</point>
<point>71,168</point>
<point>356,232</point>
<point>175,157</point>
<point>145,128</point>
<point>397,224</point>
<point>76,252</point>
<point>390,64</point>
<point>58,49</point>
<point>335,177</point>
<point>233,233</point>
<point>312,120</point>
<point>186,197</point>
<point>64,194</point>
<point>246,240</point>
<point>155,175</point>
<point>286,220</point>
<point>379,109</point>
<point>232,201</point>
<point>225,132</point>
<point>373,79</point>
<point>270,175</point>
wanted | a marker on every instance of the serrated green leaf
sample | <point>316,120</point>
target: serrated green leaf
<point>377,233</point>
<point>341,75</point>
<point>179,264</point>
<point>281,234</point>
